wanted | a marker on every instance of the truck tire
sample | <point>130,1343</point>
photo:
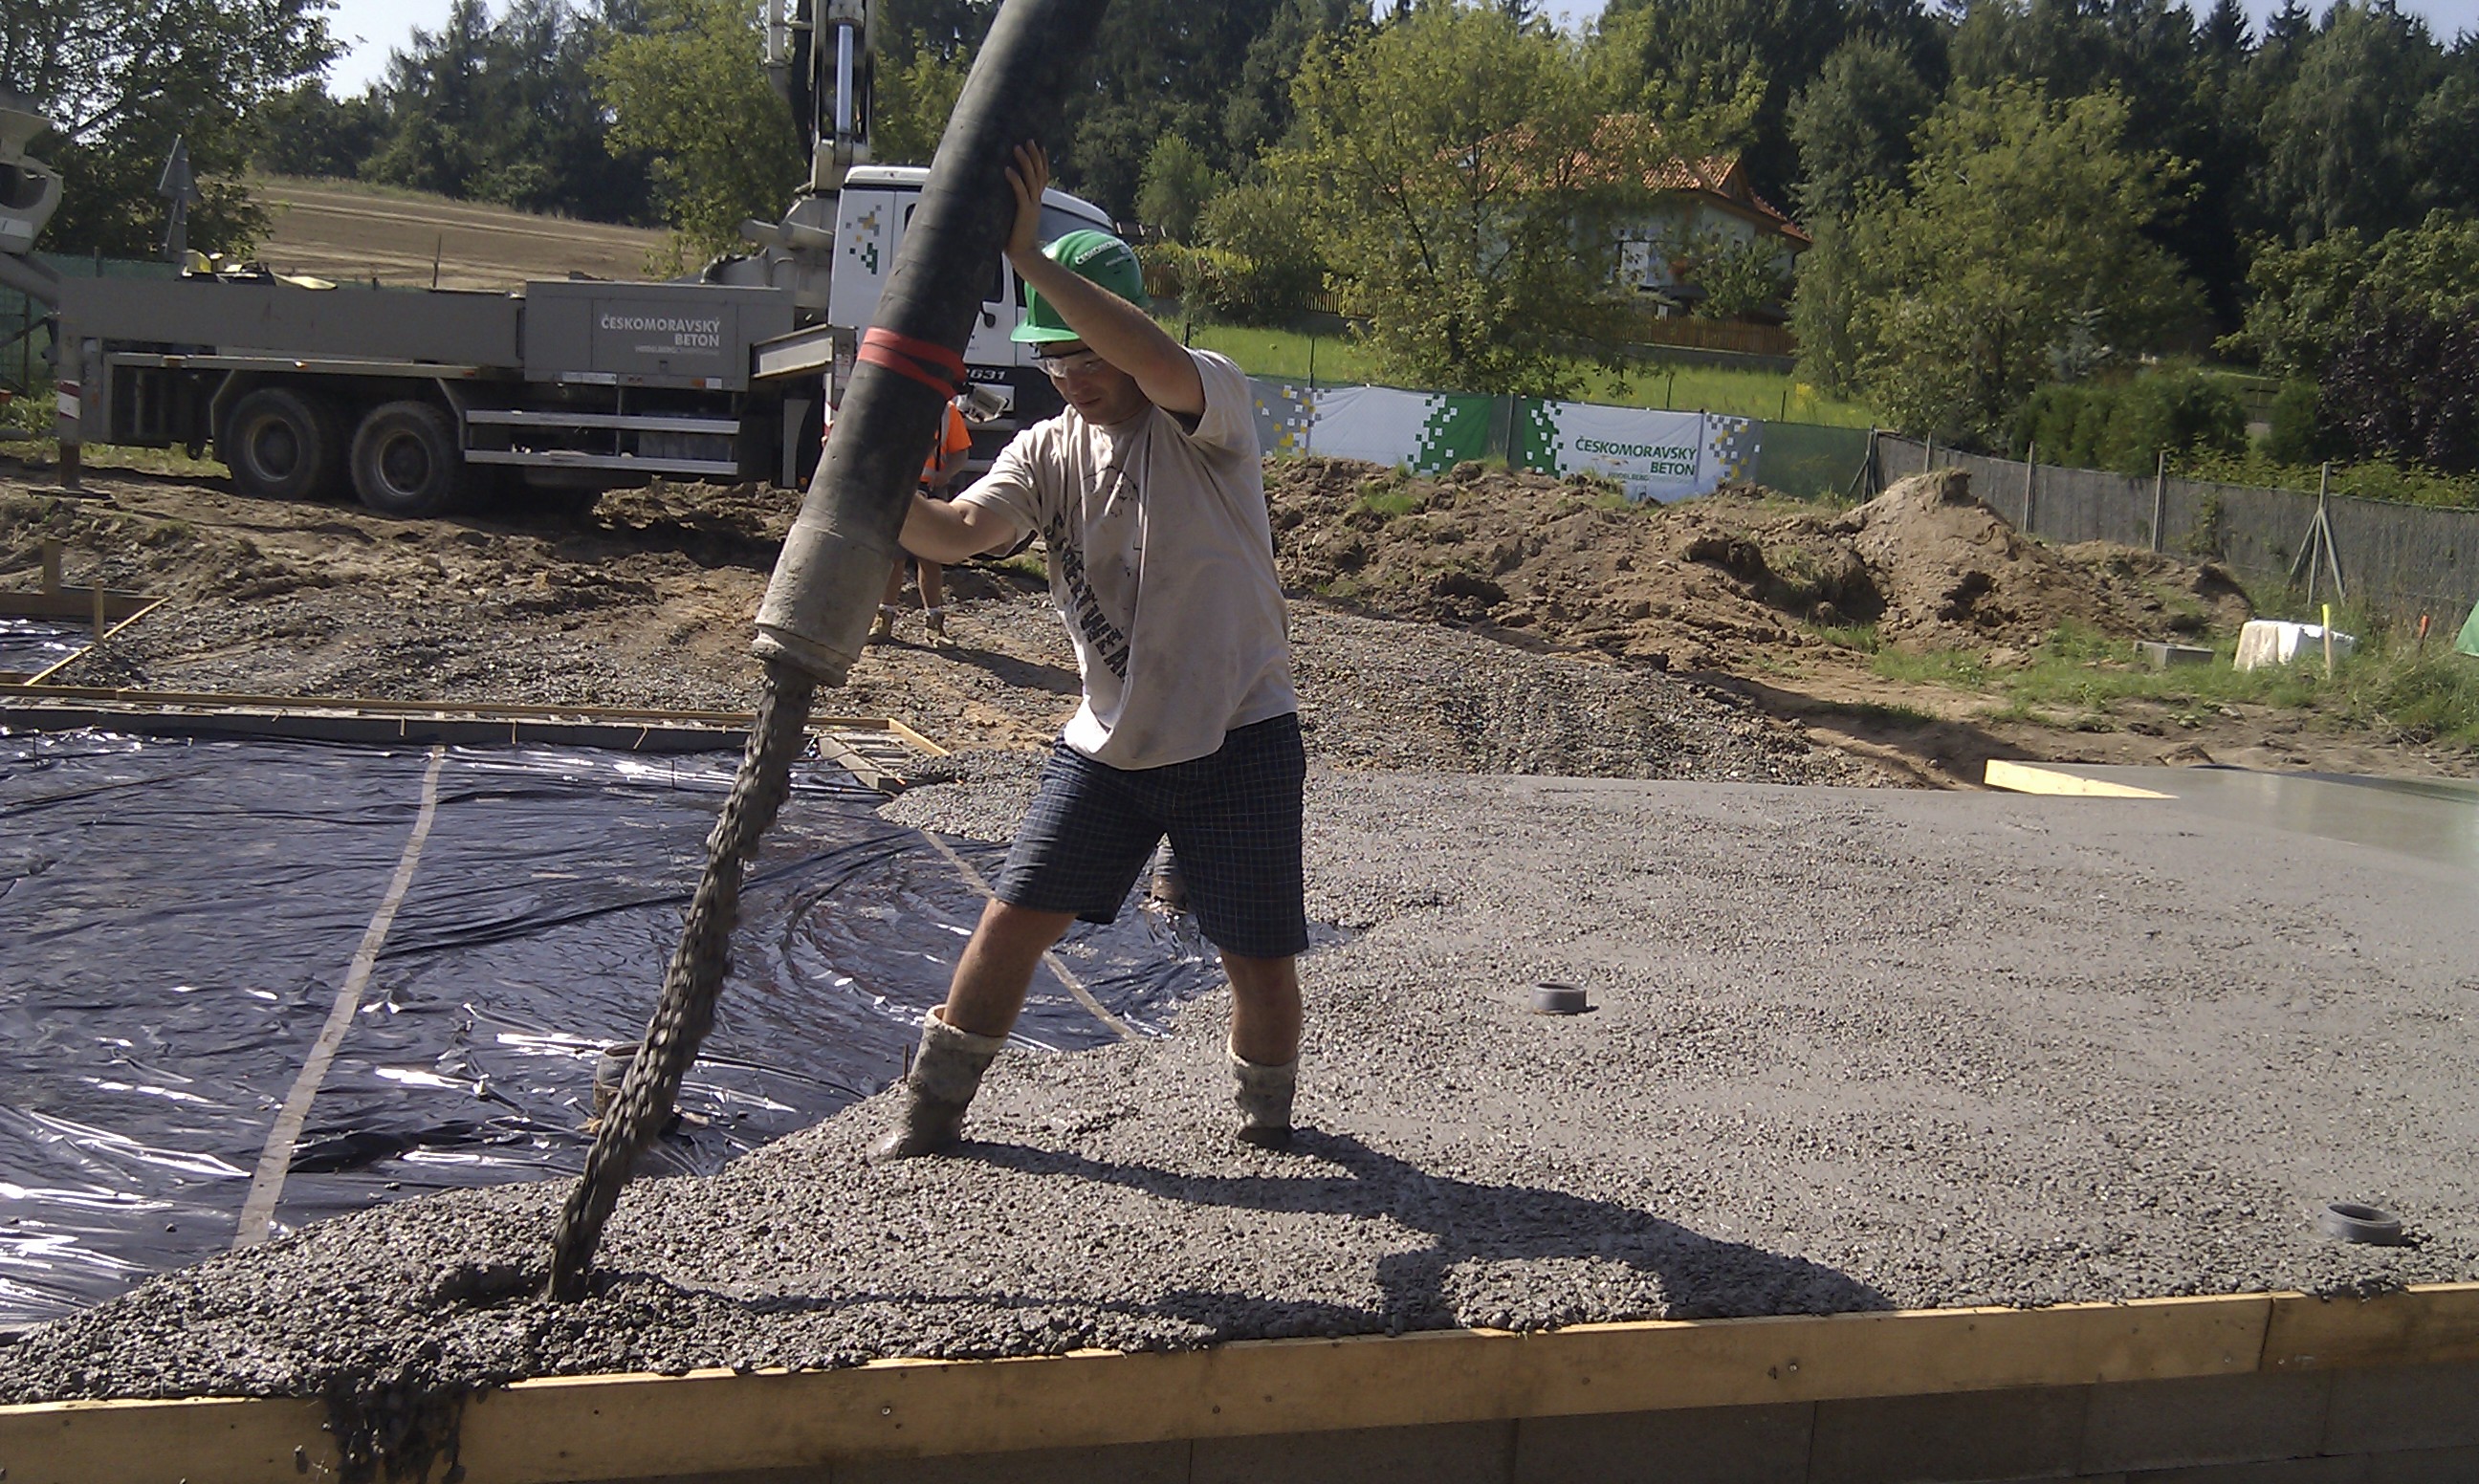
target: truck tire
<point>283,445</point>
<point>406,461</point>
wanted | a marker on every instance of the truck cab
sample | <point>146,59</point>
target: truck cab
<point>871,218</point>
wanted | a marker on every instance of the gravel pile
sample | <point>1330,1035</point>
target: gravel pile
<point>1851,1049</point>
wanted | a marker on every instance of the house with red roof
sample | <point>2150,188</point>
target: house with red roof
<point>1701,206</point>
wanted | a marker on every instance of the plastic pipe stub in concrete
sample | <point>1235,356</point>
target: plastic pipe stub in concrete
<point>1553,999</point>
<point>2349,1221</point>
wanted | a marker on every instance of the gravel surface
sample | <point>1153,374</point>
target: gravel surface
<point>1851,1049</point>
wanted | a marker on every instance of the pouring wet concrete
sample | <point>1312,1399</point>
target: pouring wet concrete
<point>1849,1050</point>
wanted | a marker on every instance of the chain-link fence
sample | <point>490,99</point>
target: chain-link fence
<point>2401,559</point>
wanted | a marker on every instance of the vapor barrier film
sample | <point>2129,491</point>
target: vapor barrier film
<point>32,646</point>
<point>177,920</point>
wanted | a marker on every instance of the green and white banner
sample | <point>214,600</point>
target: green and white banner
<point>1652,455</point>
<point>1424,431</point>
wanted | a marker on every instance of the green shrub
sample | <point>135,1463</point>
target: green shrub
<point>2295,437</point>
<point>1219,284</point>
<point>2124,426</point>
<point>1271,274</point>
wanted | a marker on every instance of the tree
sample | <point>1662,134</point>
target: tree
<point>1177,185</point>
<point>120,81</point>
<point>926,50</point>
<point>2181,89</point>
<point>2404,385</point>
<point>2338,149</point>
<point>913,103</point>
<point>306,132</point>
<point>690,94</point>
<point>1852,126</point>
<point>2018,255</point>
<point>1268,268</point>
<point>505,111</point>
<point>1709,50</point>
<point>1454,172</point>
<point>1157,69</point>
<point>2310,300</point>
<point>1257,109</point>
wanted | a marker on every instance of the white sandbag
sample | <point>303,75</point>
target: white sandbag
<point>2278,642</point>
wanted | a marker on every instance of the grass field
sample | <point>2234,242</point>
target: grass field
<point>2424,693</point>
<point>1746,393</point>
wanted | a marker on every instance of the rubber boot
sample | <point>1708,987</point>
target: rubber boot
<point>1264,1095</point>
<point>946,1072</point>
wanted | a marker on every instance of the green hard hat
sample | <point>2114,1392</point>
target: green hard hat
<point>1097,258</point>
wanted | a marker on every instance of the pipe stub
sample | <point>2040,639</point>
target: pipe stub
<point>2349,1221</point>
<point>1554,999</point>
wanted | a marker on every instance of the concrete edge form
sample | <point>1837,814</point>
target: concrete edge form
<point>867,746</point>
<point>562,1429</point>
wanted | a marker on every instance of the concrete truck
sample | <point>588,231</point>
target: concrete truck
<point>418,398</point>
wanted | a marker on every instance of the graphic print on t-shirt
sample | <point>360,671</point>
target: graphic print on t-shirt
<point>1109,645</point>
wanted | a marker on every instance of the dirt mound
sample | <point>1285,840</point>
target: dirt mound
<point>1713,582</point>
<point>1950,571</point>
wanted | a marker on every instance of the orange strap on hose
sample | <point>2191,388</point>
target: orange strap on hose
<point>927,362</point>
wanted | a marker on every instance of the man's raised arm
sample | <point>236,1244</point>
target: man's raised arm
<point>1111,327</point>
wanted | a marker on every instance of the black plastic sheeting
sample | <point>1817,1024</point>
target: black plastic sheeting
<point>33,646</point>
<point>176,919</point>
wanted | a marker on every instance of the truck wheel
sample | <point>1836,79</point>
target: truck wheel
<point>406,461</point>
<point>281,444</point>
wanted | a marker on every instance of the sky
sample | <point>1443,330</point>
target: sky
<point>375,28</point>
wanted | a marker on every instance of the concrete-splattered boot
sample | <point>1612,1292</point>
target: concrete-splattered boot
<point>946,1072</point>
<point>1264,1095</point>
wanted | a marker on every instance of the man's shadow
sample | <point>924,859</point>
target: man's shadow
<point>1468,1221</point>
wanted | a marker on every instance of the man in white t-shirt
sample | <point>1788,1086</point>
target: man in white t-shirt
<point>1148,493</point>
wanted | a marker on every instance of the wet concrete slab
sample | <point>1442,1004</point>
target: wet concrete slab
<point>2432,819</point>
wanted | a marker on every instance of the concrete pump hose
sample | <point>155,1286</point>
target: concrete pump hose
<point>827,580</point>
<point>826,583</point>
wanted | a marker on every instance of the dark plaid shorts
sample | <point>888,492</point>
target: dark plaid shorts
<point>1232,818</point>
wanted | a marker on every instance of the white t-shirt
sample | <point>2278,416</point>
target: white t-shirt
<point>1162,566</point>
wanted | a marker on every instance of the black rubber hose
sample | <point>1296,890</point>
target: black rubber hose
<point>826,583</point>
<point>827,579</point>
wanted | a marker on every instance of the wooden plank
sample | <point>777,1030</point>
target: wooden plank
<point>525,711</point>
<point>74,603</point>
<point>2426,1324</point>
<point>220,1442</point>
<point>606,1427</point>
<point>2029,779</point>
<point>612,1427</point>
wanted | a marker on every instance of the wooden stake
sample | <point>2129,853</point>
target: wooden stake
<point>2160,494</point>
<point>51,566</point>
<point>2031,483</point>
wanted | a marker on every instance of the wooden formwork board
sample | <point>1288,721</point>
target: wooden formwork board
<point>879,751</point>
<point>707,1423</point>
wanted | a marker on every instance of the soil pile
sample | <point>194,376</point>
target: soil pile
<point>1713,583</point>
<point>1950,571</point>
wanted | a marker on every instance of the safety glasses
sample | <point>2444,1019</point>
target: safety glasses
<point>1084,362</point>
